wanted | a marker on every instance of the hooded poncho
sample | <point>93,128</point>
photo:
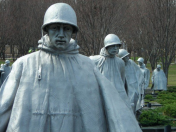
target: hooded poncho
<point>159,80</point>
<point>146,74</point>
<point>71,96</point>
<point>113,68</point>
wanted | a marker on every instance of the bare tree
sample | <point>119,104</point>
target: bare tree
<point>155,26</point>
<point>4,27</point>
<point>96,19</point>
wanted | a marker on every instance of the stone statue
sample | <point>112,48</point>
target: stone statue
<point>159,80</point>
<point>57,89</point>
<point>112,67</point>
<point>5,70</point>
<point>135,79</point>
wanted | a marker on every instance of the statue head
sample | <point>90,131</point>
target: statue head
<point>140,61</point>
<point>158,67</point>
<point>2,66</point>
<point>112,44</point>
<point>7,63</point>
<point>123,54</point>
<point>60,22</point>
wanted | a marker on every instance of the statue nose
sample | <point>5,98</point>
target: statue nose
<point>61,33</point>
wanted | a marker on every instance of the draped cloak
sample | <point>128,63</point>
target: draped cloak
<point>113,68</point>
<point>71,96</point>
<point>159,80</point>
<point>135,83</point>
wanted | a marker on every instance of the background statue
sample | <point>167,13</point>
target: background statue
<point>57,89</point>
<point>134,78</point>
<point>112,67</point>
<point>5,70</point>
<point>159,80</point>
<point>145,71</point>
<point>146,74</point>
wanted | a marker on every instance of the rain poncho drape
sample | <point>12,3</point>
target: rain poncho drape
<point>146,74</point>
<point>159,80</point>
<point>72,96</point>
<point>113,68</point>
<point>135,83</point>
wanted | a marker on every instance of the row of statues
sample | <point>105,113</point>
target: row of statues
<point>56,89</point>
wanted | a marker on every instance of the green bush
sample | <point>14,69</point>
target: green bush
<point>163,115</point>
<point>170,110</point>
<point>153,118</point>
<point>149,97</point>
<point>166,97</point>
<point>172,89</point>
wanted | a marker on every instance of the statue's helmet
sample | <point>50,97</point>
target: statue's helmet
<point>140,60</point>
<point>7,62</point>
<point>122,53</point>
<point>60,13</point>
<point>158,66</point>
<point>111,39</point>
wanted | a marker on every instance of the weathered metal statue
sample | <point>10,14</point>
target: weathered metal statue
<point>145,72</point>
<point>57,89</point>
<point>135,79</point>
<point>111,66</point>
<point>159,80</point>
<point>4,71</point>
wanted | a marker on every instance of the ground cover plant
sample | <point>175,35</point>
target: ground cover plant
<point>164,115</point>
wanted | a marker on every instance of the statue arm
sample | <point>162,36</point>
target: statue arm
<point>7,95</point>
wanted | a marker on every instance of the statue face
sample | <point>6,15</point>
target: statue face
<point>59,35</point>
<point>158,68</point>
<point>126,58</point>
<point>140,63</point>
<point>113,50</point>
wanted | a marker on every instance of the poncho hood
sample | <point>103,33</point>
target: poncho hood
<point>71,49</point>
<point>103,52</point>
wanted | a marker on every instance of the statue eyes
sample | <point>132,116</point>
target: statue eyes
<point>54,28</point>
<point>65,28</point>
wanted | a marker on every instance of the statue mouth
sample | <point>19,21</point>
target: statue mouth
<point>60,42</point>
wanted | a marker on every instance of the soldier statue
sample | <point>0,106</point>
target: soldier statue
<point>146,74</point>
<point>56,89</point>
<point>135,80</point>
<point>111,66</point>
<point>159,80</point>
<point>145,71</point>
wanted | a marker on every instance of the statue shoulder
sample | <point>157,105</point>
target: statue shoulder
<point>120,61</point>
<point>21,59</point>
<point>95,57</point>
